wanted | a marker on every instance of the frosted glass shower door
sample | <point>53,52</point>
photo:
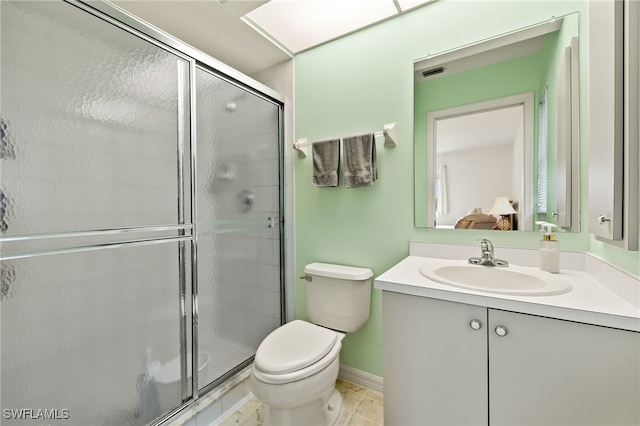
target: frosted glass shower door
<point>95,235</point>
<point>86,335</point>
<point>237,222</point>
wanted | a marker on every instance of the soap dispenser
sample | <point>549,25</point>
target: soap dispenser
<point>549,249</point>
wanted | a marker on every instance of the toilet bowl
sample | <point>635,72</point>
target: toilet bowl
<point>294,375</point>
<point>296,366</point>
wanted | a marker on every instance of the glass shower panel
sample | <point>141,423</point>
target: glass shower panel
<point>95,220</point>
<point>91,336</point>
<point>237,222</point>
<point>92,121</point>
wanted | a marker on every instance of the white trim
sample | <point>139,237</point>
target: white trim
<point>360,377</point>
<point>526,99</point>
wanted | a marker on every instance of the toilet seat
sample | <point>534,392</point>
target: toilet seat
<point>294,351</point>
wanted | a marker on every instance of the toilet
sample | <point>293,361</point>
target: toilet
<point>296,366</point>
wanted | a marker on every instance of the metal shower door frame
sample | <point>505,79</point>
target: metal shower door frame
<point>187,229</point>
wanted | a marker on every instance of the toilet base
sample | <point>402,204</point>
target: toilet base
<point>310,414</point>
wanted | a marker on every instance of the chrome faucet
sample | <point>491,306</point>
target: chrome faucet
<point>486,255</point>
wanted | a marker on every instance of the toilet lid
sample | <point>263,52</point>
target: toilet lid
<point>294,346</point>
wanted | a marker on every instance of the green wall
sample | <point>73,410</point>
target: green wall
<point>359,83</point>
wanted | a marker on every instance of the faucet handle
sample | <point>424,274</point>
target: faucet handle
<point>485,244</point>
<point>487,259</point>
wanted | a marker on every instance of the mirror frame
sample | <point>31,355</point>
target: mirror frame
<point>526,100</point>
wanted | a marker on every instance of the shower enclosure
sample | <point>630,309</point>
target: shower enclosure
<point>141,218</point>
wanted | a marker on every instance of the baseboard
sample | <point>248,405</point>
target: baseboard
<point>360,377</point>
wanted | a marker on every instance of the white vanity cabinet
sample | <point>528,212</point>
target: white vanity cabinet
<point>448,363</point>
<point>435,363</point>
<point>552,372</point>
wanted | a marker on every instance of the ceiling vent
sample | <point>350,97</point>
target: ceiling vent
<point>433,71</point>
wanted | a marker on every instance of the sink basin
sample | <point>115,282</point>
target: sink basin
<point>515,280</point>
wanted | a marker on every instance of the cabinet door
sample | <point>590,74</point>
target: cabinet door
<point>435,363</point>
<point>605,120</point>
<point>553,372</point>
<point>613,121</point>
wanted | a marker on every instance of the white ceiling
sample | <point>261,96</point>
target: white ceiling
<point>251,35</point>
<point>298,25</point>
<point>214,28</point>
<point>479,130</point>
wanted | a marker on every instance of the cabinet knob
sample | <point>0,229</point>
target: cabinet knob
<point>602,219</point>
<point>501,330</point>
<point>475,324</point>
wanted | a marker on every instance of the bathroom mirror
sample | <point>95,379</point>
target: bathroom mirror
<point>500,119</point>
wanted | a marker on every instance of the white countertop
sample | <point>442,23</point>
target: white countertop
<point>590,301</point>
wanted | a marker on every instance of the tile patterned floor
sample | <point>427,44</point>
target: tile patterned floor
<point>361,407</point>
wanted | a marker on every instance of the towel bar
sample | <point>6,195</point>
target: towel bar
<point>389,131</point>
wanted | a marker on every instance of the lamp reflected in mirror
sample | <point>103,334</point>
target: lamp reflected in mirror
<point>503,208</point>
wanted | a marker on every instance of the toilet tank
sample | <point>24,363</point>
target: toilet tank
<point>338,296</point>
